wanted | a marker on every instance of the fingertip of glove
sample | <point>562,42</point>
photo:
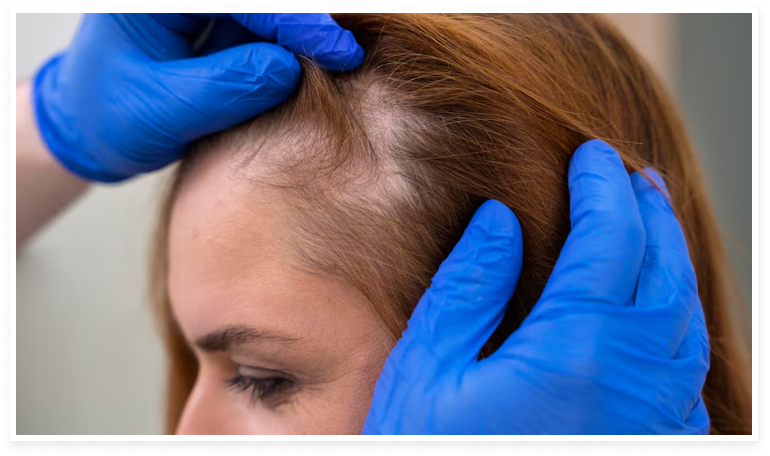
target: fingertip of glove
<point>596,146</point>
<point>594,154</point>
<point>648,195</point>
<point>496,219</point>
<point>278,65</point>
<point>346,54</point>
<point>597,167</point>
<point>644,183</point>
<point>657,178</point>
<point>356,59</point>
<point>280,57</point>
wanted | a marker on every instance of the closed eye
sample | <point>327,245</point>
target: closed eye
<point>271,390</point>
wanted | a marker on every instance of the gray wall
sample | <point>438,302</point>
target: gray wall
<point>88,359</point>
<point>714,88</point>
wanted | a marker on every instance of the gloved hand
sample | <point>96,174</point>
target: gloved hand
<point>616,344</point>
<point>129,93</point>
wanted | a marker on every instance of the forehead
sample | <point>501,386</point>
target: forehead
<point>231,263</point>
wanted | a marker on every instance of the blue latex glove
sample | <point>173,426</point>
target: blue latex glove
<point>129,93</point>
<point>616,344</point>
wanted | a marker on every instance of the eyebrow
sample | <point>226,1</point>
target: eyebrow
<point>225,338</point>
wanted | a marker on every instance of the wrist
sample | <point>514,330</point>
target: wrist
<point>43,185</point>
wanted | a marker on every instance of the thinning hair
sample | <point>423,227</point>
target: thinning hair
<point>386,164</point>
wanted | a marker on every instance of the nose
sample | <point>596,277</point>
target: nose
<point>209,411</point>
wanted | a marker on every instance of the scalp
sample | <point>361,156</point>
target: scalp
<point>384,166</point>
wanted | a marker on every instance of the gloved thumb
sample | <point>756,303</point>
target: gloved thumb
<point>468,296</point>
<point>223,89</point>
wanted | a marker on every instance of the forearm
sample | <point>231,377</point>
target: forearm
<point>43,186</point>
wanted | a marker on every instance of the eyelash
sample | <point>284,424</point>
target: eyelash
<point>262,389</point>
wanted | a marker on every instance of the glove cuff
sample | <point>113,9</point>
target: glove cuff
<point>44,88</point>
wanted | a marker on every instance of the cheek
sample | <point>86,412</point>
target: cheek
<point>341,405</point>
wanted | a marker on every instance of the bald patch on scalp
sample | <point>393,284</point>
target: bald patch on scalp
<point>351,165</point>
<point>333,140</point>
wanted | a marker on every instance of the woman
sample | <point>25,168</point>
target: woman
<point>358,187</point>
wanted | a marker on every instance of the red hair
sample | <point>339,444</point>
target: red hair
<point>445,112</point>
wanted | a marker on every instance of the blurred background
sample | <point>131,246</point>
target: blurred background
<point>88,360</point>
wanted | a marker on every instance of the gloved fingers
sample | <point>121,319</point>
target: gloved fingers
<point>225,33</point>
<point>468,296</point>
<point>314,35</point>
<point>696,340</point>
<point>159,36</point>
<point>187,25</point>
<point>694,352</point>
<point>603,254</point>
<point>698,420</point>
<point>220,90</point>
<point>692,362</point>
<point>667,280</point>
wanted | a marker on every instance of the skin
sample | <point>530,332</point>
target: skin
<point>43,186</point>
<point>231,273</point>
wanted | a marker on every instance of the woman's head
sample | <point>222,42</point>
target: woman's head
<point>295,246</point>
